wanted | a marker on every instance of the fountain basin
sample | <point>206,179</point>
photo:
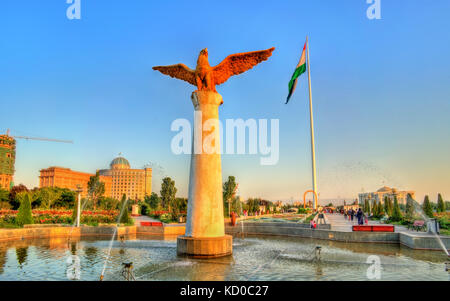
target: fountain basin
<point>254,258</point>
<point>205,247</point>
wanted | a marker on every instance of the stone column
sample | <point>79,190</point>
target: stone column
<point>205,233</point>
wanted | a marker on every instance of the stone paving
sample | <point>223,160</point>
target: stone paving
<point>143,218</point>
<point>339,223</point>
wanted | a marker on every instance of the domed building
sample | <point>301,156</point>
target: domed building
<point>120,163</point>
<point>119,179</point>
<point>134,183</point>
<point>388,192</point>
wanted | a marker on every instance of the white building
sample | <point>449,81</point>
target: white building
<point>383,192</point>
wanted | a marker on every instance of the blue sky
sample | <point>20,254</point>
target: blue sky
<point>380,89</point>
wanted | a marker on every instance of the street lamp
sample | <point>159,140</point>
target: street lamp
<point>79,190</point>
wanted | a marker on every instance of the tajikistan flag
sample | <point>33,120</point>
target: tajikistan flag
<point>299,70</point>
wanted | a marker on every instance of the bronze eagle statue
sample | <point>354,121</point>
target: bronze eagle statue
<point>206,77</point>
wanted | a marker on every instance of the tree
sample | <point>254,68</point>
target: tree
<point>426,207</point>
<point>381,211</point>
<point>153,201</point>
<point>229,189</point>
<point>391,205</point>
<point>168,192</point>
<point>440,204</point>
<point>96,189</point>
<point>47,196</point>
<point>15,203</point>
<point>67,199</point>
<point>367,206</point>
<point>396,213</point>
<point>125,214</point>
<point>378,209</point>
<point>24,216</point>
<point>388,206</point>
<point>375,209</point>
<point>107,203</point>
<point>409,206</point>
<point>237,206</point>
<point>253,205</point>
<point>179,204</point>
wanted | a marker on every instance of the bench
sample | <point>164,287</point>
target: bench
<point>417,225</point>
<point>151,224</point>
<point>376,228</point>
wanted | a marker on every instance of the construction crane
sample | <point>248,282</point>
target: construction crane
<point>38,138</point>
<point>8,156</point>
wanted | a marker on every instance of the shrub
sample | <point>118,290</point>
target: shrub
<point>377,209</point>
<point>125,217</point>
<point>440,204</point>
<point>166,218</point>
<point>25,215</point>
<point>444,219</point>
<point>409,207</point>
<point>310,217</point>
<point>426,206</point>
<point>144,209</point>
<point>13,195</point>
<point>396,213</point>
<point>5,205</point>
<point>302,210</point>
<point>367,206</point>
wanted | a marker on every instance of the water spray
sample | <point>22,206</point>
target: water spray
<point>317,251</point>
<point>112,240</point>
<point>418,209</point>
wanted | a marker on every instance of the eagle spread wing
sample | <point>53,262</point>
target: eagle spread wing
<point>180,71</point>
<point>238,63</point>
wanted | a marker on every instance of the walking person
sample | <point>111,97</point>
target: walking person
<point>352,214</point>
<point>360,217</point>
<point>321,218</point>
<point>313,224</point>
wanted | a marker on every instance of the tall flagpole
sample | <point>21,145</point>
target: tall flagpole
<point>313,151</point>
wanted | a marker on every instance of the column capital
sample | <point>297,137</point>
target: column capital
<point>206,97</point>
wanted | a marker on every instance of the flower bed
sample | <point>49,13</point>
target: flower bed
<point>444,219</point>
<point>62,216</point>
<point>157,213</point>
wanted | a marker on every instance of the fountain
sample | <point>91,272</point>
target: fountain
<point>205,230</point>
<point>102,275</point>
<point>419,210</point>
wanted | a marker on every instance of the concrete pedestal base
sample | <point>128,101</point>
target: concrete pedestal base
<point>205,247</point>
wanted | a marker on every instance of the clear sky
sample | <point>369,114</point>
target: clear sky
<point>381,89</point>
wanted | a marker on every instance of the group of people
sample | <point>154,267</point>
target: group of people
<point>320,220</point>
<point>351,214</point>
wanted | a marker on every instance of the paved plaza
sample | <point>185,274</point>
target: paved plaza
<point>339,223</point>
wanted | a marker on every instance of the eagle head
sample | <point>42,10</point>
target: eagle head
<point>204,52</point>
